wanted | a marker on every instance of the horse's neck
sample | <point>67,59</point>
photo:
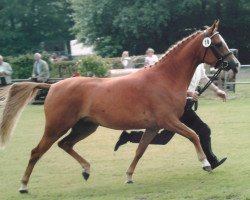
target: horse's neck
<point>180,65</point>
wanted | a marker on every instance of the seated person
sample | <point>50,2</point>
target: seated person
<point>40,71</point>
<point>5,72</point>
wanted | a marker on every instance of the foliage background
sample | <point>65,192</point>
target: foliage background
<point>29,26</point>
<point>135,25</point>
<point>91,65</point>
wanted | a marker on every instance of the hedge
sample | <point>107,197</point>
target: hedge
<point>91,65</point>
<point>21,65</point>
<point>88,66</point>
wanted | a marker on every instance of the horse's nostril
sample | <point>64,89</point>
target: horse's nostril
<point>235,69</point>
<point>234,66</point>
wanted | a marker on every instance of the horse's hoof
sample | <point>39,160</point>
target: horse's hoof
<point>130,182</point>
<point>23,191</point>
<point>85,175</point>
<point>208,169</point>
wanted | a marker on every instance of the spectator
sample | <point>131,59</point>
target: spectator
<point>54,58</point>
<point>40,71</point>
<point>150,58</point>
<point>5,72</point>
<point>126,60</point>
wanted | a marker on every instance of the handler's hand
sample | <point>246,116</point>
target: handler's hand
<point>195,96</point>
<point>221,94</point>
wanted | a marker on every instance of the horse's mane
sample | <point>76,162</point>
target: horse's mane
<point>178,44</point>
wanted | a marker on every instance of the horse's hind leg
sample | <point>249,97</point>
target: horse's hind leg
<point>46,142</point>
<point>80,130</point>
<point>147,137</point>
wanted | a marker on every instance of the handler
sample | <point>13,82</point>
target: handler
<point>189,118</point>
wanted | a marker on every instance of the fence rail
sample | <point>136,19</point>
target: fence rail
<point>50,80</point>
<point>41,95</point>
<point>247,66</point>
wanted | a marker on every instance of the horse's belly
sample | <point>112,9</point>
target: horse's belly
<point>123,117</point>
<point>125,124</point>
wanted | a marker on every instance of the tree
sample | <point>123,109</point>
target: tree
<point>135,25</point>
<point>25,24</point>
<point>112,27</point>
<point>236,26</point>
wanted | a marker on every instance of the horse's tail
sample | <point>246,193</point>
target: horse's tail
<point>20,94</point>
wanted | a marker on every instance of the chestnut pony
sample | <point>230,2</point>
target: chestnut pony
<point>151,98</point>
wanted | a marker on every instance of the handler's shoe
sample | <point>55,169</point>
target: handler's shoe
<point>218,163</point>
<point>123,139</point>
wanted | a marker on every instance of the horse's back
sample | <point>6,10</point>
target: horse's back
<point>99,99</point>
<point>123,102</point>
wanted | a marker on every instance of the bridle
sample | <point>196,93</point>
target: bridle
<point>221,64</point>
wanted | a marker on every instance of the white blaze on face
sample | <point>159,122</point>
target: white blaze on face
<point>223,42</point>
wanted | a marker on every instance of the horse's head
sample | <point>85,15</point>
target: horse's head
<point>217,52</point>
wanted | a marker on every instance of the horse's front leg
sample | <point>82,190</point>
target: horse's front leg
<point>147,137</point>
<point>183,130</point>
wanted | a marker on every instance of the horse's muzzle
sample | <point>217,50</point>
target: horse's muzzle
<point>233,66</point>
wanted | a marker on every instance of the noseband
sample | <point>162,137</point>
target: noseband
<point>221,63</point>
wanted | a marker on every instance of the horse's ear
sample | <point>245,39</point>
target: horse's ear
<point>217,22</point>
<point>212,29</point>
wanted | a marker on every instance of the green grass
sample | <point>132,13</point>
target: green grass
<point>164,172</point>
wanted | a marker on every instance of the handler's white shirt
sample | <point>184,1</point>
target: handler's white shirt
<point>198,75</point>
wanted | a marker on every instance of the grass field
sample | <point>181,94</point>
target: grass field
<point>165,172</point>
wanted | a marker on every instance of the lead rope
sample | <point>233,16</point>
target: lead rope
<point>201,90</point>
<point>216,74</point>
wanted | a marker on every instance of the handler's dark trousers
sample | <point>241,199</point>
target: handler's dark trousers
<point>190,119</point>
